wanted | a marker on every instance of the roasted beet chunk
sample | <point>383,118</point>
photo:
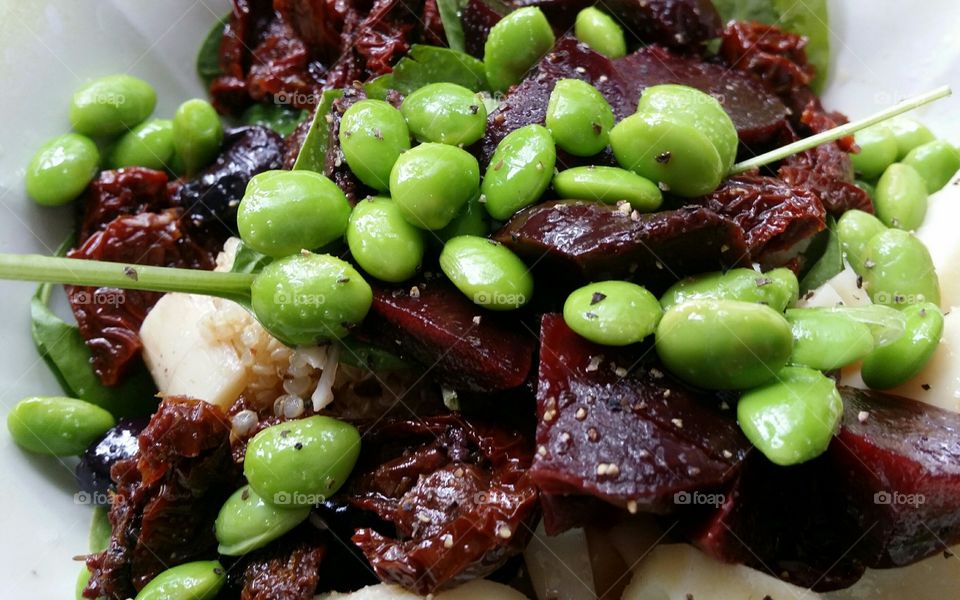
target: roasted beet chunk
<point>457,494</point>
<point>685,25</point>
<point>478,17</point>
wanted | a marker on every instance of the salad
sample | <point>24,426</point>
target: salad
<point>473,299</point>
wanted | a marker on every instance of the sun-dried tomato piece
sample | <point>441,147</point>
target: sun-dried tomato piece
<point>127,191</point>
<point>282,69</point>
<point>776,56</point>
<point>288,569</point>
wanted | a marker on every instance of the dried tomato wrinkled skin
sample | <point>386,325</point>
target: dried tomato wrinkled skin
<point>287,569</point>
<point>775,56</point>
<point>456,492</point>
<point>167,498</point>
<point>127,191</point>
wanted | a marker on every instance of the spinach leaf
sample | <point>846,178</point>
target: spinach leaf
<point>208,57</point>
<point>430,64</point>
<point>830,263</point>
<point>747,10</point>
<point>278,117</point>
<point>450,11</point>
<point>248,260</point>
<point>313,153</point>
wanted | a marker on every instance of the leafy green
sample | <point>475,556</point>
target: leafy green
<point>830,261</point>
<point>364,356</point>
<point>430,64</point>
<point>450,11</point>
<point>248,260</point>
<point>208,57</point>
<point>278,117</point>
<point>747,10</point>
<point>313,153</point>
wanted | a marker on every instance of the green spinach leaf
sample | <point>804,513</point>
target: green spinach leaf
<point>430,64</point>
<point>278,117</point>
<point>208,57</point>
<point>313,153</point>
<point>248,260</point>
<point>450,11</point>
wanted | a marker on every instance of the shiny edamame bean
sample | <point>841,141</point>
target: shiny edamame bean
<point>579,118</point>
<point>472,220</point>
<point>487,272</point>
<point>901,199</point>
<point>61,169</point>
<point>519,171</point>
<point>935,161</point>
<point>791,420</point>
<point>445,113</point>
<point>825,339</point>
<point>898,270</point>
<point>373,134</point>
<point>909,134</point>
<point>432,182</point>
<point>309,298</point>
<point>112,104</point>
<point>247,522</point>
<point>56,425</point>
<point>301,462</point>
<point>878,150</point>
<point>148,145</point>
<point>723,344</point>
<point>197,134</point>
<point>382,242</point>
<point>608,185</point>
<point>902,360</point>
<point>777,288</point>
<point>867,187</point>
<point>514,45</point>
<point>855,229</point>
<point>612,313</point>
<point>200,580</point>
<point>598,30</point>
<point>284,212</point>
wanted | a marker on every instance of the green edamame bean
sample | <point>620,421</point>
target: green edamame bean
<point>373,134</point>
<point>246,522</point>
<point>886,324</point>
<point>909,134</point>
<point>723,344</point>
<point>902,360</point>
<point>472,220</point>
<point>515,44</point>
<point>309,298</point>
<point>778,288</point>
<point>791,420</point>
<point>867,187</point>
<point>682,103</point>
<point>901,200</point>
<point>935,161</point>
<point>855,229</point>
<point>100,531</point>
<point>148,145</point>
<point>878,150</point>
<point>197,134</point>
<point>61,169</point>
<point>598,30</point>
<point>56,425</point>
<point>612,313</point>
<point>83,578</point>
<point>301,462</point>
<point>519,171</point>
<point>608,185</point>
<point>111,104</point>
<point>898,270</point>
<point>487,272</point>
<point>284,212</point>
<point>445,113</point>
<point>825,339</point>
<point>200,580</point>
<point>382,242</point>
<point>579,117</point>
<point>432,182</point>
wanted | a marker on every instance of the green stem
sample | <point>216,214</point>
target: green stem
<point>831,135</point>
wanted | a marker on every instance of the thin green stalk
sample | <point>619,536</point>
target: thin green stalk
<point>832,135</point>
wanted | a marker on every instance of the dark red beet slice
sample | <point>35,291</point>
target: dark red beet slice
<point>594,241</point>
<point>478,17</point>
<point>628,435</point>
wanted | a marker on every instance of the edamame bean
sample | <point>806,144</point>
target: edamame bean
<point>612,313</point>
<point>246,522</point>
<point>682,103</point>
<point>515,44</point>
<point>373,134</point>
<point>855,229</point>
<point>579,117</point>
<point>56,425</point>
<point>432,182</point>
<point>608,185</point>
<point>284,212</point>
<point>445,113</point>
<point>111,104</point>
<point>301,462</point>
<point>487,272</point>
<point>519,171</point>
<point>878,150</point>
<point>100,530</point>
<point>901,200</point>
<point>61,169</point>
<point>867,187</point>
<point>598,30</point>
<point>200,580</point>
<point>886,324</point>
<point>148,145</point>
<point>382,242</point>
<point>825,339</point>
<point>723,344</point>
<point>472,220</point>
<point>935,161</point>
<point>902,360</point>
<point>898,270</point>
<point>777,288</point>
<point>197,134</point>
<point>83,578</point>
<point>791,420</point>
<point>909,134</point>
<point>309,298</point>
